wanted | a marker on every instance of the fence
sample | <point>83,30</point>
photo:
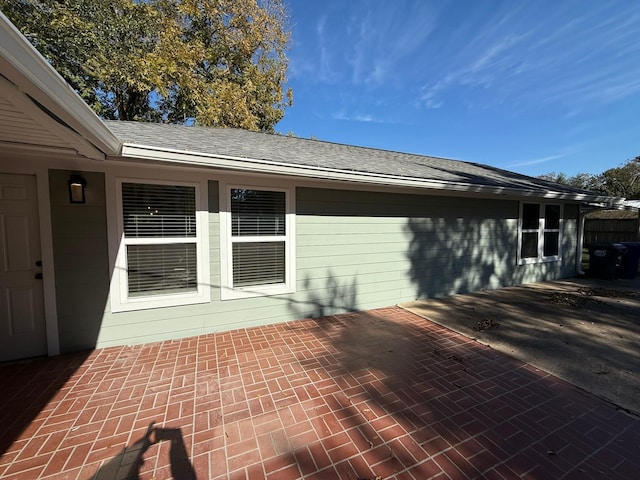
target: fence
<point>612,226</point>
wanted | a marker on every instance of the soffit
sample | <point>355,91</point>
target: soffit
<point>18,128</point>
<point>38,109</point>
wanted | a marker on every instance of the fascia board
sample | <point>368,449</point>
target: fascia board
<point>225,162</point>
<point>33,75</point>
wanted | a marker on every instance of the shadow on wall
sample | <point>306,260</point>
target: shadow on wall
<point>460,255</point>
<point>331,299</point>
<point>416,246</point>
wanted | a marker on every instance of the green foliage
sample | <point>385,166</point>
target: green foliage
<point>585,181</point>
<point>215,62</point>
<point>622,181</point>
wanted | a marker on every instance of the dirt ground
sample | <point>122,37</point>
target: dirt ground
<point>584,331</point>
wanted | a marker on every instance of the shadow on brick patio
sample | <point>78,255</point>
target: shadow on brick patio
<point>382,393</point>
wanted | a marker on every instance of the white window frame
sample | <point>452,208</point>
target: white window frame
<point>227,290</point>
<point>119,298</point>
<point>541,230</point>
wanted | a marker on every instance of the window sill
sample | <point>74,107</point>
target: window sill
<point>227,293</point>
<point>533,261</point>
<point>147,303</point>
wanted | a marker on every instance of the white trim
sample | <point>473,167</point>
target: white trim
<point>48,265</point>
<point>227,290</point>
<point>541,230</point>
<point>119,299</point>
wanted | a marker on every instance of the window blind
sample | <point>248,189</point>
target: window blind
<point>257,212</point>
<point>159,224</point>
<point>258,263</point>
<point>158,210</point>
<point>260,214</point>
<point>161,269</point>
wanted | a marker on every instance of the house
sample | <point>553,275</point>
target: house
<point>118,233</point>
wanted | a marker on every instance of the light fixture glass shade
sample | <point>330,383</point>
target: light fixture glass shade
<point>76,189</point>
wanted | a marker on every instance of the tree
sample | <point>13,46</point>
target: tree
<point>585,181</point>
<point>622,181</point>
<point>212,62</point>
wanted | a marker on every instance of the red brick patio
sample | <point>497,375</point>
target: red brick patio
<point>381,393</point>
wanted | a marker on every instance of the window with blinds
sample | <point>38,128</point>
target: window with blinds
<point>158,210</point>
<point>258,237</point>
<point>159,226</point>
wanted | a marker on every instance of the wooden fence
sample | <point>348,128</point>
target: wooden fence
<point>612,227</point>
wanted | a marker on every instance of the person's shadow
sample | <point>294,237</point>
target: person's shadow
<point>126,465</point>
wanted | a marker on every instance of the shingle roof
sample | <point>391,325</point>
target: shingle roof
<point>296,151</point>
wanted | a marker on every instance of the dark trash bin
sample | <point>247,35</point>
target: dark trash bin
<point>630,261</point>
<point>605,260</point>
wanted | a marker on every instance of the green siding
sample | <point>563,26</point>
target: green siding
<point>358,250</point>
<point>382,248</point>
<point>80,259</point>
<point>354,250</point>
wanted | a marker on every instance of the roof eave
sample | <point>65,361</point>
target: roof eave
<point>251,165</point>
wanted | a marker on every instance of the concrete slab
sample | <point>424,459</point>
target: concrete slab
<point>584,331</point>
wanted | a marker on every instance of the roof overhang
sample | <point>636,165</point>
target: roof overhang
<point>258,166</point>
<point>33,96</point>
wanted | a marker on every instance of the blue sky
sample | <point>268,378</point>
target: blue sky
<point>530,86</point>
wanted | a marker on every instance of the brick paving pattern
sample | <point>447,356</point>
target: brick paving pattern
<point>381,393</point>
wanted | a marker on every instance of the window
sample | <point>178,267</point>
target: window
<point>257,252</point>
<point>161,246</point>
<point>539,232</point>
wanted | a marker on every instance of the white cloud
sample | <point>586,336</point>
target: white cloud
<point>356,117</point>
<point>536,161</point>
<point>573,58</point>
<point>430,94</point>
<point>563,153</point>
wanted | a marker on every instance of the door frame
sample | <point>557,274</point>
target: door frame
<point>17,165</point>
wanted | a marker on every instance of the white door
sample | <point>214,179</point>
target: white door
<point>22,322</point>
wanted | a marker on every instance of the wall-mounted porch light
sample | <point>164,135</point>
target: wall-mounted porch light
<point>76,189</point>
